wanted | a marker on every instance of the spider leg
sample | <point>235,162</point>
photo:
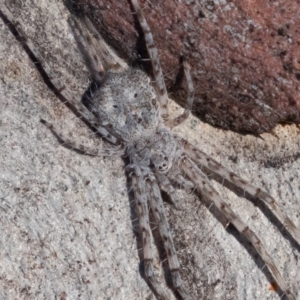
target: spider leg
<point>203,159</point>
<point>107,56</point>
<point>50,78</point>
<point>138,184</point>
<point>139,189</point>
<point>190,98</point>
<point>166,186</point>
<point>96,54</point>
<point>205,188</point>
<point>153,53</point>
<point>84,149</point>
<point>183,182</point>
<point>83,38</point>
<point>157,207</point>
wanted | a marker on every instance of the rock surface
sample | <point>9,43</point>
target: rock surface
<point>244,55</point>
<point>65,218</point>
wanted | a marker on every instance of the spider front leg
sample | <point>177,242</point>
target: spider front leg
<point>205,188</point>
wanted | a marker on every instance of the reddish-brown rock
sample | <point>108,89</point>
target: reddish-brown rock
<point>244,55</point>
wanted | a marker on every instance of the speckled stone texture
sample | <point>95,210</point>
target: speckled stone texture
<point>244,55</point>
<point>66,219</point>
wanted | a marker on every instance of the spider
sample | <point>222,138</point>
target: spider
<point>131,112</point>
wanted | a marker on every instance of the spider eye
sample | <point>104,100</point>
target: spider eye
<point>135,95</point>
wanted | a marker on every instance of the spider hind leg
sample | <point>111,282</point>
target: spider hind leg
<point>204,187</point>
<point>203,159</point>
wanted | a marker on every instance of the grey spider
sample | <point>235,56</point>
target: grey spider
<point>132,114</point>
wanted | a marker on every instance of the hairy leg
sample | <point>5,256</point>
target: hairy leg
<point>166,186</point>
<point>190,98</point>
<point>106,54</point>
<point>203,159</point>
<point>205,188</point>
<point>86,46</point>
<point>53,82</point>
<point>156,68</point>
<point>118,150</point>
<point>141,200</point>
<point>157,207</point>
